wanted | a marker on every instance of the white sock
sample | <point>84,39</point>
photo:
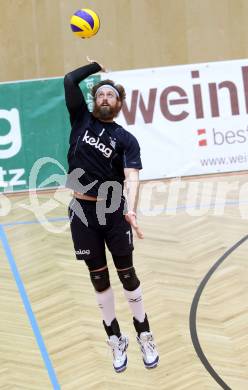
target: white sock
<point>135,301</point>
<point>106,303</point>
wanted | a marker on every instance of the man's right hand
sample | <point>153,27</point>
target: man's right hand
<point>91,62</point>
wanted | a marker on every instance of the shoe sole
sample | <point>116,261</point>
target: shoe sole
<point>151,365</point>
<point>118,371</point>
<point>122,368</point>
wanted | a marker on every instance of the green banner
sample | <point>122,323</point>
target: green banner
<point>34,133</point>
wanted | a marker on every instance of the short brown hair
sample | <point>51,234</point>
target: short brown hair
<point>120,89</point>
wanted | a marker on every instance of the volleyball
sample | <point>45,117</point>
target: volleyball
<point>85,23</point>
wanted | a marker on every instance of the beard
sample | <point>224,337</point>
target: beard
<point>105,112</point>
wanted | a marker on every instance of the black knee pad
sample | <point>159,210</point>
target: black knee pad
<point>129,279</point>
<point>100,280</point>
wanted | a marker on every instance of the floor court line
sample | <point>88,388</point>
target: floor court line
<point>193,314</point>
<point>23,293</point>
<point>28,308</point>
<point>142,211</point>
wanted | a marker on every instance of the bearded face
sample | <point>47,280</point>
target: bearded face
<point>107,105</point>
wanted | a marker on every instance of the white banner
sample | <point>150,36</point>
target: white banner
<point>188,119</point>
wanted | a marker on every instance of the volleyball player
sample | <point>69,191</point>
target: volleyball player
<point>101,157</point>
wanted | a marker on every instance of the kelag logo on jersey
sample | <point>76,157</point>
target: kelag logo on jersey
<point>97,144</point>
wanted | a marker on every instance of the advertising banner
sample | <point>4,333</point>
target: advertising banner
<point>34,133</point>
<point>189,119</point>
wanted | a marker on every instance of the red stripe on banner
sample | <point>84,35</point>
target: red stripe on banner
<point>201,131</point>
<point>203,142</point>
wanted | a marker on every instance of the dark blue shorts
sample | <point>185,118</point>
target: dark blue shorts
<point>111,229</point>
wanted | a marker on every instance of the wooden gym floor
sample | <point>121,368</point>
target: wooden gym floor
<point>51,335</point>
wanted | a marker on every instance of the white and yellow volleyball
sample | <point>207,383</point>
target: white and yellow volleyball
<point>85,23</point>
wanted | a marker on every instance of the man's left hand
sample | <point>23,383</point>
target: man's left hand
<point>131,218</point>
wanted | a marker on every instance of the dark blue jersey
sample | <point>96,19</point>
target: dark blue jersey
<point>101,149</point>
